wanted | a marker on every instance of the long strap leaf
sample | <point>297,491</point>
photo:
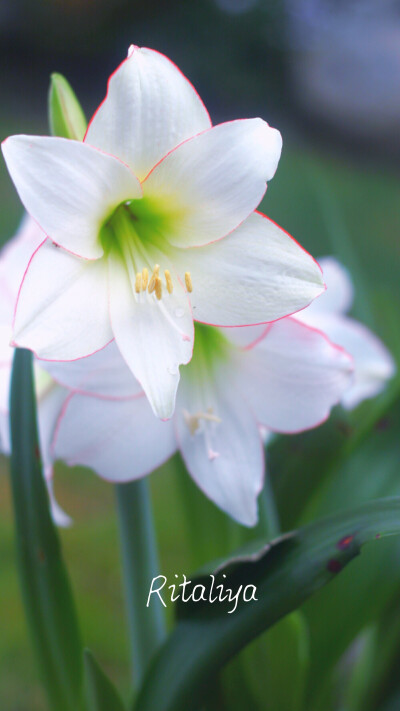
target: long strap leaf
<point>101,694</point>
<point>286,573</point>
<point>44,581</point>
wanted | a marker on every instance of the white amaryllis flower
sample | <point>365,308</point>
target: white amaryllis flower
<point>373,364</point>
<point>286,376</point>
<point>133,219</point>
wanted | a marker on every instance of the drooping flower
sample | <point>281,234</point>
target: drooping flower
<point>373,364</point>
<point>149,223</point>
<point>286,376</point>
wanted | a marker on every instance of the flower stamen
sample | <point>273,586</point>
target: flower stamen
<point>153,278</point>
<point>158,288</point>
<point>155,284</point>
<point>193,421</point>
<point>168,280</point>
<point>138,283</point>
<point>188,282</point>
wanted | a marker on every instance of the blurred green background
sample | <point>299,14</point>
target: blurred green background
<point>336,191</point>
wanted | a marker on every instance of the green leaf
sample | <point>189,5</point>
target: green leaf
<point>393,704</point>
<point>101,694</point>
<point>369,471</point>
<point>359,669</point>
<point>272,670</point>
<point>374,678</point>
<point>304,467</point>
<point>66,117</point>
<point>286,572</point>
<point>44,582</point>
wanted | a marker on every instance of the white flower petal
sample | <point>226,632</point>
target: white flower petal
<point>5,443</point>
<point>120,440</point>
<point>62,308</point>
<point>294,376</point>
<point>373,364</point>
<point>338,297</point>
<point>154,337</point>
<point>246,336</point>
<point>14,258</point>
<point>215,180</point>
<point>254,275</point>
<point>69,188</point>
<point>149,109</point>
<point>104,374</point>
<point>59,516</point>
<point>49,408</point>
<point>266,435</point>
<point>6,358</point>
<point>225,458</point>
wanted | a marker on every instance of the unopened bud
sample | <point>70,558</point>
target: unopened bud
<point>66,116</point>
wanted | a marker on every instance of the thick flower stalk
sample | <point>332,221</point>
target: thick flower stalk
<point>150,223</point>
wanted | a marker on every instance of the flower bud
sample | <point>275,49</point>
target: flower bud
<point>66,117</point>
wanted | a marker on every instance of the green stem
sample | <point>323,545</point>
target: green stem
<point>140,565</point>
<point>269,517</point>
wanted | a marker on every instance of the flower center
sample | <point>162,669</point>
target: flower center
<point>134,233</point>
<point>211,351</point>
<point>145,219</point>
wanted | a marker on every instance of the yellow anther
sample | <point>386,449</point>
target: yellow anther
<point>158,288</point>
<point>138,283</point>
<point>188,282</point>
<point>145,278</point>
<point>168,279</point>
<point>209,416</point>
<point>153,278</point>
<point>193,421</point>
